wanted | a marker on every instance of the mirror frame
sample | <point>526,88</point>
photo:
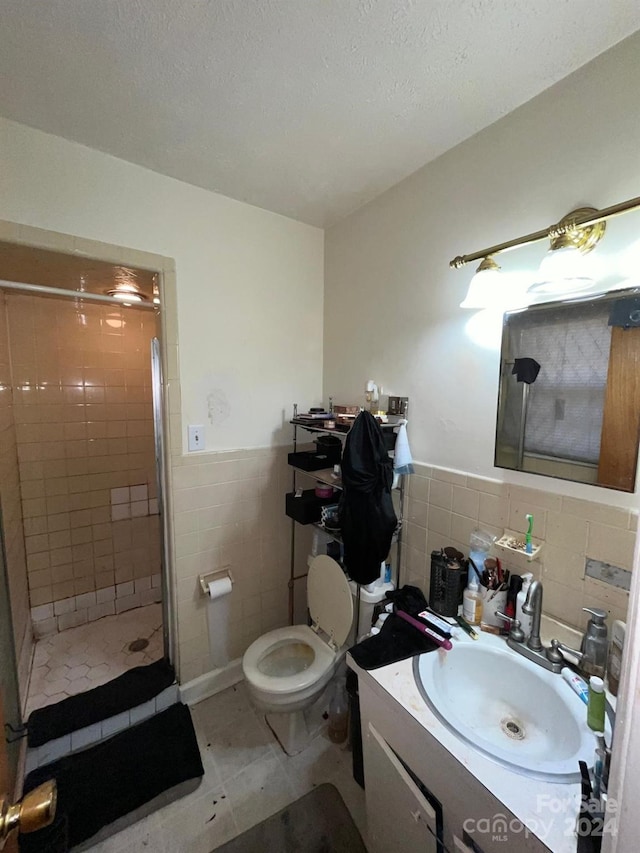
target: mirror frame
<point>620,436</point>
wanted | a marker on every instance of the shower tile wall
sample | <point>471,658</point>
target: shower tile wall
<point>12,514</point>
<point>83,418</point>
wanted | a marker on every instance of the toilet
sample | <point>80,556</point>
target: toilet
<point>289,671</point>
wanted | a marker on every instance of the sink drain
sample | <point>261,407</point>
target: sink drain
<point>138,645</point>
<point>513,728</point>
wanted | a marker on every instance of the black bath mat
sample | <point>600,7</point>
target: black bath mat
<point>114,777</point>
<point>126,691</point>
<point>319,822</point>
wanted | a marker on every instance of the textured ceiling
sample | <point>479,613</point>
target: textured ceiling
<point>306,107</point>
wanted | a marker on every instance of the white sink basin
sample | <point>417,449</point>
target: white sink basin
<point>507,707</point>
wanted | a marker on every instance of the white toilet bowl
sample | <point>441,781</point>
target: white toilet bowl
<point>288,670</point>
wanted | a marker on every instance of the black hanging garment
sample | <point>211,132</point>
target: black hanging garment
<point>366,514</point>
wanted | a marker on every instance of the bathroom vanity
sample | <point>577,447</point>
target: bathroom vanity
<point>430,789</point>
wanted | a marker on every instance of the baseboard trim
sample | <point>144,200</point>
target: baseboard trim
<point>212,682</point>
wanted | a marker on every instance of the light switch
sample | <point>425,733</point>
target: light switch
<point>196,437</point>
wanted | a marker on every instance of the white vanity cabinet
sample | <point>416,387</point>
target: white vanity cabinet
<point>394,801</point>
<point>412,780</point>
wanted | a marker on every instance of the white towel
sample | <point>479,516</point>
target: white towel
<point>402,459</point>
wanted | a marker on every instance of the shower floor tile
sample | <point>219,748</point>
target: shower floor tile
<point>81,658</point>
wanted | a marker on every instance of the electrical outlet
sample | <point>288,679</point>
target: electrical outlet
<point>196,437</point>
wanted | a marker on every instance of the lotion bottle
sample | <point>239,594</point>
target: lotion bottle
<point>524,618</point>
<point>471,601</point>
<point>596,704</point>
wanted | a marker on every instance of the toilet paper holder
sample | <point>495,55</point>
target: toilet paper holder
<point>205,580</point>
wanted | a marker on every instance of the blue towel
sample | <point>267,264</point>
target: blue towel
<point>402,459</point>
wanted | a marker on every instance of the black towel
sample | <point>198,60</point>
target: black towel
<point>114,777</point>
<point>397,639</point>
<point>132,688</point>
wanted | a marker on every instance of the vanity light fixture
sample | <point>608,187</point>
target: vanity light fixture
<point>486,287</point>
<point>563,270</point>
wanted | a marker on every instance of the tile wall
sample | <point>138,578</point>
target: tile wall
<point>444,506</point>
<point>229,511</point>
<point>84,429</point>
<point>12,514</point>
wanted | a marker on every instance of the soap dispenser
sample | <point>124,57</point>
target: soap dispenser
<point>595,645</point>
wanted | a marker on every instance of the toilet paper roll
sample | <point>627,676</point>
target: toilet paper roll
<point>220,587</point>
<point>218,619</point>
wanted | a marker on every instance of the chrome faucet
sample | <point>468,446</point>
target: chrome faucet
<point>533,607</point>
<point>533,649</point>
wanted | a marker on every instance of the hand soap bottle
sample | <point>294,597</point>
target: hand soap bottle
<point>524,618</point>
<point>471,601</point>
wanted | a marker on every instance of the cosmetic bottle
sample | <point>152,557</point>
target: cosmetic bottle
<point>338,714</point>
<point>471,601</point>
<point>515,585</point>
<point>595,706</point>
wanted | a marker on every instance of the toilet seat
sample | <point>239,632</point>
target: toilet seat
<point>291,635</point>
<point>329,599</point>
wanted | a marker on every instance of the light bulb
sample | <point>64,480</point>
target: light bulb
<point>563,270</point>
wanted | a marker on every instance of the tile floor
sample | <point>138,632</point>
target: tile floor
<point>80,658</point>
<point>247,778</point>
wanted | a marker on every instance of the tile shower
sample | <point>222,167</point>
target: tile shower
<point>83,425</point>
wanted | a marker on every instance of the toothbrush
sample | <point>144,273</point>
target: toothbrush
<point>467,628</point>
<point>475,569</point>
<point>528,545</point>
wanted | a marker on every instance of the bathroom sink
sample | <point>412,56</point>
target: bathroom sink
<point>507,707</point>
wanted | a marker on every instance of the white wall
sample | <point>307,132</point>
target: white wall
<point>391,301</point>
<point>250,282</point>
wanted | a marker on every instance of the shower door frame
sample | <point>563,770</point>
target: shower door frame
<point>159,401</point>
<point>158,406</point>
<point>157,392</point>
<point>32,237</point>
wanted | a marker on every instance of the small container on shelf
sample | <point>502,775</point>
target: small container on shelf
<point>323,490</point>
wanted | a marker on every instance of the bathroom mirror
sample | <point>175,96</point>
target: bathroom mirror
<point>569,395</point>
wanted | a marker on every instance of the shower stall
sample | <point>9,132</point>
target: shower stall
<point>81,568</point>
